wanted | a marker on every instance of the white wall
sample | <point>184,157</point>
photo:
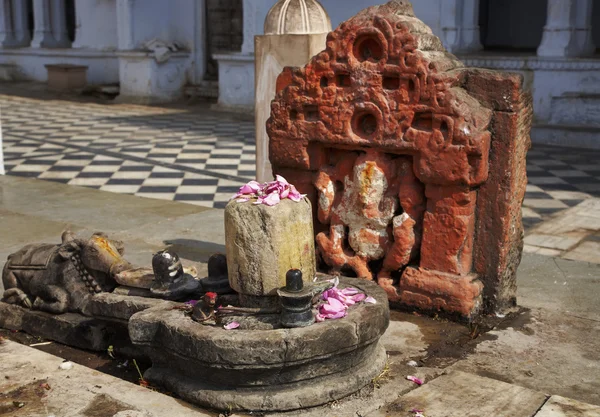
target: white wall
<point>96,23</point>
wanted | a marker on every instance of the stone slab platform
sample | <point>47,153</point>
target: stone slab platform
<point>459,394</point>
<point>104,323</point>
<point>79,391</point>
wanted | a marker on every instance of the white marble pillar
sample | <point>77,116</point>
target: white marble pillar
<point>2,172</point>
<point>42,22</point>
<point>460,25</point>
<point>58,15</point>
<point>7,38</point>
<point>568,29</point>
<point>20,21</point>
<point>583,28</point>
<point>125,23</point>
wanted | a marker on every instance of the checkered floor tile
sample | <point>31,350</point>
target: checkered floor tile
<point>559,178</point>
<point>203,157</point>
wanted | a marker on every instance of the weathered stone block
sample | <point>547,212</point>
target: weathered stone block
<point>415,164</point>
<point>264,242</point>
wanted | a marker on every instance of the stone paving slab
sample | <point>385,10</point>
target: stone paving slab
<point>572,234</point>
<point>557,406</point>
<point>459,394</point>
<point>77,392</point>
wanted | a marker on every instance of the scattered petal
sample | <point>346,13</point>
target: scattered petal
<point>370,300</point>
<point>65,366</point>
<point>415,379</point>
<point>269,193</point>
<point>271,199</point>
<point>232,325</point>
<point>359,297</point>
<point>414,364</point>
<point>350,291</point>
<point>191,302</point>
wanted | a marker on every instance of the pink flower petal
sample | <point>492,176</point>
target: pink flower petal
<point>338,315</point>
<point>281,180</point>
<point>350,291</point>
<point>271,199</point>
<point>414,379</point>
<point>232,325</point>
<point>336,304</point>
<point>370,300</point>
<point>359,297</point>
<point>242,200</point>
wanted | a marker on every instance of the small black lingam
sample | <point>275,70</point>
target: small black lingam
<point>296,301</point>
<point>218,279</point>
<point>170,281</point>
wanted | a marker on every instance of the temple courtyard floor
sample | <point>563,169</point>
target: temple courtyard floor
<point>132,171</point>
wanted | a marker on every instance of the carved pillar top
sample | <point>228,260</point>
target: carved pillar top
<point>297,17</point>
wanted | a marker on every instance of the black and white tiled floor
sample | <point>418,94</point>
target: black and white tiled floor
<point>201,157</point>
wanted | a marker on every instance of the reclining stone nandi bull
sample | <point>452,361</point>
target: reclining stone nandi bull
<point>60,278</point>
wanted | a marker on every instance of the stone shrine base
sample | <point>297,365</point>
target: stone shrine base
<point>293,396</point>
<point>266,369</point>
<point>270,369</point>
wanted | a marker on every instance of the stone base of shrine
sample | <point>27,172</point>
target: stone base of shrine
<point>441,292</point>
<point>104,323</point>
<point>292,396</point>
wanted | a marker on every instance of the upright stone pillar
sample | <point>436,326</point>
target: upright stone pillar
<point>6,28</point>
<point>460,27</point>
<point>2,171</point>
<point>42,35</point>
<point>295,31</point>
<point>20,22</point>
<point>568,30</point>
<point>59,23</point>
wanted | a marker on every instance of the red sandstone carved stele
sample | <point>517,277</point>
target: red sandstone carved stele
<point>415,165</point>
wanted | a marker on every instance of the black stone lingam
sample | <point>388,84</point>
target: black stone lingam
<point>296,301</point>
<point>170,281</point>
<point>218,279</point>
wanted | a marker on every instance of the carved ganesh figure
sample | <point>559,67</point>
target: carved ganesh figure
<point>415,163</point>
<point>376,204</point>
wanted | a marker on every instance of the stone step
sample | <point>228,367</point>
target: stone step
<point>576,109</point>
<point>8,72</point>
<point>573,136</point>
<point>204,89</point>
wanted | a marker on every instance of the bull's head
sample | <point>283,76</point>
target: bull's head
<point>99,254</point>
